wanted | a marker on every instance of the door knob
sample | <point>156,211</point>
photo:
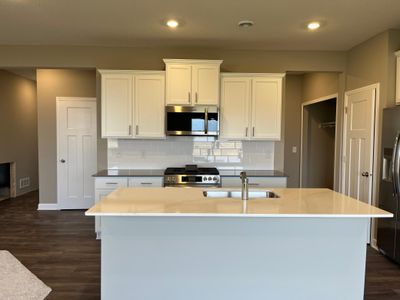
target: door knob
<point>365,174</point>
<point>62,160</point>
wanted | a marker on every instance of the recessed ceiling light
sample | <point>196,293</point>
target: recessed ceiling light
<point>245,23</point>
<point>172,23</point>
<point>313,25</point>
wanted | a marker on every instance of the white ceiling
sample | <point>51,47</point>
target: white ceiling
<point>279,24</point>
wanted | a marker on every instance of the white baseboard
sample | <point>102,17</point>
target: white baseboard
<point>48,206</point>
<point>374,245</point>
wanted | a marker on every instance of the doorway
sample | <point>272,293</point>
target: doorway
<point>76,152</point>
<point>318,143</point>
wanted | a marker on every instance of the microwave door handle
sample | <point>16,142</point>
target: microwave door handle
<point>206,120</point>
<point>395,165</point>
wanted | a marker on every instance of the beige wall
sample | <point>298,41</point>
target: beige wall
<point>52,84</point>
<point>319,84</point>
<point>151,58</point>
<point>293,99</point>
<point>18,130</point>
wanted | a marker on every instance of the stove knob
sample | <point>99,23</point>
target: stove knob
<point>173,178</point>
<point>215,178</point>
<point>209,178</point>
<point>167,179</point>
<point>204,178</point>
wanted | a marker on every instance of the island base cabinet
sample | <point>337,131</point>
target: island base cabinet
<point>180,258</point>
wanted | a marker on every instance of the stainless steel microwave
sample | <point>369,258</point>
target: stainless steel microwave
<point>192,120</point>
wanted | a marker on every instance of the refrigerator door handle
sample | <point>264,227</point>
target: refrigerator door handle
<point>396,165</point>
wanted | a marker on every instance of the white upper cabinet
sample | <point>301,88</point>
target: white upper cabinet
<point>132,104</point>
<point>251,106</point>
<point>205,84</point>
<point>116,105</point>
<point>235,105</point>
<point>266,108</point>
<point>192,82</point>
<point>179,84</point>
<point>149,105</point>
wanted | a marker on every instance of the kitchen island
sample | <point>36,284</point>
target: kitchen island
<point>177,243</point>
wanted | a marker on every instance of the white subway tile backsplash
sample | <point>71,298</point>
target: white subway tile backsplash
<point>178,151</point>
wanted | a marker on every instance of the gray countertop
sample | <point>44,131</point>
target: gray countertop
<point>160,173</point>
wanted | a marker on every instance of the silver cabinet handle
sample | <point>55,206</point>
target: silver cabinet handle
<point>254,129</point>
<point>111,183</point>
<point>247,131</point>
<point>254,184</point>
<point>137,129</point>
<point>130,129</point>
<point>62,160</point>
<point>196,97</point>
<point>189,97</point>
<point>146,183</point>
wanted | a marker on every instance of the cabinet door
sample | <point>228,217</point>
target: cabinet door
<point>235,107</point>
<point>146,182</point>
<point>205,84</point>
<point>179,84</point>
<point>255,182</point>
<point>266,108</point>
<point>149,108</point>
<point>116,105</point>
<point>100,194</point>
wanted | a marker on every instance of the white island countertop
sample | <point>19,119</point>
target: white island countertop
<point>191,202</point>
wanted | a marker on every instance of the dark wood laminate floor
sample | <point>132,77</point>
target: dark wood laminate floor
<point>60,248</point>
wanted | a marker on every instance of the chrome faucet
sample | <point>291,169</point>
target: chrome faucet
<point>245,185</point>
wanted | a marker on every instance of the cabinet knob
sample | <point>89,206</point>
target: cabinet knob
<point>62,160</point>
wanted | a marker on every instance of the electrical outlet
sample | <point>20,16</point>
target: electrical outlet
<point>294,149</point>
<point>24,182</point>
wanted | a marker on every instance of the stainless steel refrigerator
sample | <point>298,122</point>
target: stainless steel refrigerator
<point>389,191</point>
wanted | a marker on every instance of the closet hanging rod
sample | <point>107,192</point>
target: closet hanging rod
<point>327,124</point>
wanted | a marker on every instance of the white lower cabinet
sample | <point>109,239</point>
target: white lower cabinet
<point>103,187</point>
<point>106,185</point>
<point>255,182</point>
<point>146,182</point>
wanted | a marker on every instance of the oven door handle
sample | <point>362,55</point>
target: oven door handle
<point>206,120</point>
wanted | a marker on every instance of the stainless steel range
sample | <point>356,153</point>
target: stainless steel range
<point>191,175</point>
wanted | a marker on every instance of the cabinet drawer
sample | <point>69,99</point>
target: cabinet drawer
<point>111,182</point>
<point>255,182</point>
<point>146,182</point>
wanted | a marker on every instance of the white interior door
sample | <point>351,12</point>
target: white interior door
<point>76,152</point>
<point>359,144</point>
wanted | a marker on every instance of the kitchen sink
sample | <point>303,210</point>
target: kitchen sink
<point>238,194</point>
